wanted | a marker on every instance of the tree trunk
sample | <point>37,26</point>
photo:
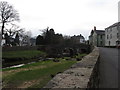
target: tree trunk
<point>3,25</point>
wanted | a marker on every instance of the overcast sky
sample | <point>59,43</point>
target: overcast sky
<point>68,17</point>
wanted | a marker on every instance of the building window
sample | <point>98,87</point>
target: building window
<point>117,42</point>
<point>118,27</point>
<point>109,43</point>
<point>101,36</point>
<point>101,43</point>
<point>107,30</point>
<point>117,35</point>
<point>107,36</point>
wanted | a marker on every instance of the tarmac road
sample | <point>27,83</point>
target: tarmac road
<point>109,67</point>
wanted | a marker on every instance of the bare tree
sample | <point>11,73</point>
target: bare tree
<point>11,31</point>
<point>14,29</point>
<point>7,14</point>
<point>25,34</point>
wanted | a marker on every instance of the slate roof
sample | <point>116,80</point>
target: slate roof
<point>115,24</point>
<point>101,32</point>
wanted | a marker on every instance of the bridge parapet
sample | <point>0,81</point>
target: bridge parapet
<point>84,74</point>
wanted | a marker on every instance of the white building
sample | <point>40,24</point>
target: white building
<point>78,39</point>
<point>112,35</point>
<point>25,41</point>
<point>97,38</point>
<point>2,42</point>
<point>82,39</point>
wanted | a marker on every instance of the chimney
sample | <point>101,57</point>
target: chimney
<point>94,27</point>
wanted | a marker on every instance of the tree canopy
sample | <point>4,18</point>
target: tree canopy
<point>7,14</point>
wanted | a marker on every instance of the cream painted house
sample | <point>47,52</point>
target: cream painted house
<point>97,38</point>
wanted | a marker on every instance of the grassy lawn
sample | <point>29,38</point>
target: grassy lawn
<point>81,55</point>
<point>35,75</point>
<point>19,57</point>
<point>22,54</point>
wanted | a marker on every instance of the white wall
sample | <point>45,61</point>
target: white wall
<point>2,42</point>
<point>94,39</point>
<point>111,32</point>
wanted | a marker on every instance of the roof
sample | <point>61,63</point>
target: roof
<point>81,37</point>
<point>78,36</point>
<point>100,32</point>
<point>115,24</point>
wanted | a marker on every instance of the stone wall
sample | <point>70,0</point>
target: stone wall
<point>84,74</point>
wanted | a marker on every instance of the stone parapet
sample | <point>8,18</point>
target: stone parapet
<point>84,74</point>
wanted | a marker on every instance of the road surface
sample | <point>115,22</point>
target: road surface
<point>109,67</point>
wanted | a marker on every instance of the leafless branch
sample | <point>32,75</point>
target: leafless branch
<point>7,14</point>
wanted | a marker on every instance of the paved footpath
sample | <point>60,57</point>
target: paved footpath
<point>109,67</point>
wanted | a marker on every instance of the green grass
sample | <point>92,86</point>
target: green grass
<point>81,55</point>
<point>19,57</point>
<point>21,54</point>
<point>40,75</point>
<point>41,63</point>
